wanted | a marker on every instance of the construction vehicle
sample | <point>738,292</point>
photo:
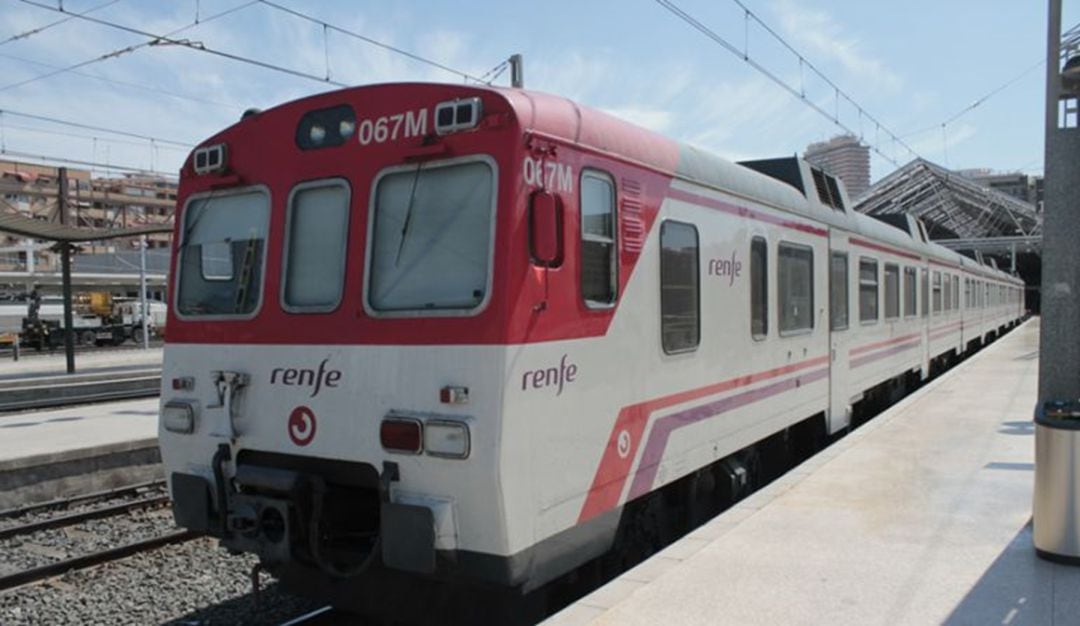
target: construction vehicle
<point>98,318</point>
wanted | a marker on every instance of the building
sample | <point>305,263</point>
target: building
<point>1018,185</point>
<point>104,203</point>
<point>844,157</point>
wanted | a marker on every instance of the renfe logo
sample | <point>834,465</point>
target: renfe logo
<point>726,267</point>
<point>302,425</point>
<point>291,377</point>
<point>550,377</point>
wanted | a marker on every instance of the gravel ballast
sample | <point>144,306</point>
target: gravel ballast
<point>195,583</point>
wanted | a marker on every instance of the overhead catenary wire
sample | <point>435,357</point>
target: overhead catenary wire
<point>167,40</point>
<point>113,131</point>
<point>979,101</point>
<point>34,31</point>
<point>797,92</point>
<point>105,167</point>
<point>113,81</point>
<point>59,133</point>
<point>374,42</point>
<point>153,40</point>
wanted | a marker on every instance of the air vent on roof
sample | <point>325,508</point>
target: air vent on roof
<point>834,191</point>
<point>784,169</point>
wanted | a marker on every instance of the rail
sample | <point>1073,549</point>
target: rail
<point>52,391</point>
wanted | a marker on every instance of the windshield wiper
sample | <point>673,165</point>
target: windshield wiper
<point>408,213</point>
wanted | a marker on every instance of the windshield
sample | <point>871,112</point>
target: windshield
<point>221,255</point>
<point>432,237</point>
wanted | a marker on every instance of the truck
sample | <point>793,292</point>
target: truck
<point>98,318</point>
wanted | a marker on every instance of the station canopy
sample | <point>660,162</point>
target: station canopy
<point>951,206</point>
<point>54,231</point>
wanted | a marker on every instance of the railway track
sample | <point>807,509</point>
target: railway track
<point>51,391</point>
<point>45,556</point>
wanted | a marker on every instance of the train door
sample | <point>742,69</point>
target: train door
<point>924,308</point>
<point>841,317</point>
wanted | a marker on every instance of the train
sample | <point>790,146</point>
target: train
<point>426,334</point>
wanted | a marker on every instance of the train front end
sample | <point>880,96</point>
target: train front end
<point>331,387</point>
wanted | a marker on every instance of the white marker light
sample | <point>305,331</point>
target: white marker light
<point>317,134</point>
<point>346,128</point>
<point>446,439</point>
<point>178,416</point>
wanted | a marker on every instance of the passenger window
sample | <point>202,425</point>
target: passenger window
<point>838,291</point>
<point>909,292</point>
<point>947,294</point>
<point>795,275</point>
<point>759,288</point>
<point>892,291</point>
<point>868,290</point>
<point>599,263</point>
<point>679,300</point>
<point>937,292</point>
<point>956,291</point>
<point>925,293</point>
<point>317,231</point>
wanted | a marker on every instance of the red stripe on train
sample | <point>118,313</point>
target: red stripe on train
<point>614,468</point>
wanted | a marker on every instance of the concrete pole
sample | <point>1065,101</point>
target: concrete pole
<point>1059,357</point>
<point>142,294</point>
<point>65,267</point>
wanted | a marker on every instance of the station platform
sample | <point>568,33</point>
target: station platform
<point>55,453</point>
<point>921,516</point>
<point>32,365</point>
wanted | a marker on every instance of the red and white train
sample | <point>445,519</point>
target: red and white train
<point>435,332</point>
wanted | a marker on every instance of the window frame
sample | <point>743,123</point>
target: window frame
<point>913,295</point>
<point>833,255</point>
<point>946,292</point>
<point>764,291</point>
<point>599,174</point>
<point>182,249</point>
<point>369,245</point>
<point>885,281</point>
<point>290,206</point>
<point>697,279</point>
<point>937,304</point>
<point>794,332</point>
<point>877,290</point>
<point>924,292</point>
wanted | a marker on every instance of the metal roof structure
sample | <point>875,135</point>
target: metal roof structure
<point>951,206</point>
<point>54,231</point>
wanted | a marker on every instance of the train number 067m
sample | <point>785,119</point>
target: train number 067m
<point>548,175</point>
<point>393,127</point>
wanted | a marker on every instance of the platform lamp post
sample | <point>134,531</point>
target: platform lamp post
<point>143,308</point>
<point>1056,506</point>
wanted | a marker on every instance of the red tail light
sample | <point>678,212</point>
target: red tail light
<point>401,435</point>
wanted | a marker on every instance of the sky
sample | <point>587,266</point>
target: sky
<point>911,66</point>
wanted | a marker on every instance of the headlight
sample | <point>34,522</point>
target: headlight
<point>446,438</point>
<point>178,416</point>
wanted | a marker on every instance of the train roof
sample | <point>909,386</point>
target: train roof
<point>789,184</point>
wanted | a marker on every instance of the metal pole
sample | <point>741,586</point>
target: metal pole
<point>65,265</point>
<point>1055,525</point>
<point>1059,360</point>
<point>142,294</point>
<point>517,71</point>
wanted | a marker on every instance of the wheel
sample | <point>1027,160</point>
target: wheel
<point>87,338</point>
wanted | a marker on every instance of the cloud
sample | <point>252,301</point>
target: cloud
<point>657,120</point>
<point>821,37</point>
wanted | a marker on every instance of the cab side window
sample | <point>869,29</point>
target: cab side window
<point>599,260</point>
